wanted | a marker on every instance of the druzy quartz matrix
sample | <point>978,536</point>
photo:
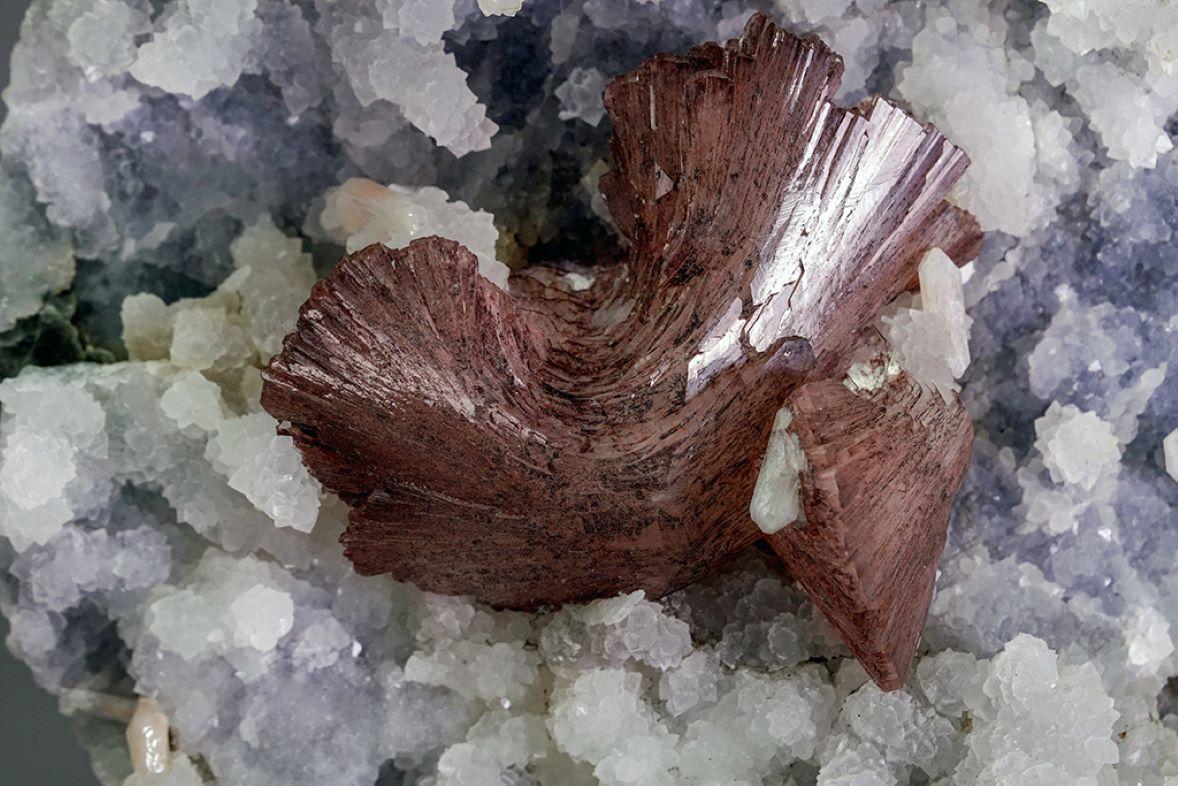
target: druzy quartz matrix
<point>176,176</point>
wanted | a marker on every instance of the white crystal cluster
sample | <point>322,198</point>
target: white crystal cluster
<point>930,338</point>
<point>965,78</point>
<point>580,96</point>
<point>184,169</point>
<point>73,436</point>
<point>361,212</point>
<point>197,46</point>
<point>36,259</point>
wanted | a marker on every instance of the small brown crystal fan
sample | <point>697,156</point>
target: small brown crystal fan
<point>560,443</point>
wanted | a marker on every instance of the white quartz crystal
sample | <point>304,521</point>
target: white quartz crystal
<point>758,718</point>
<point>1148,638</point>
<point>601,717</point>
<point>49,439</point>
<point>1125,112</point>
<point>498,741</point>
<point>580,96</point>
<point>931,342</point>
<point>202,337</point>
<point>691,684</point>
<point>37,468</point>
<point>849,762</point>
<point>1038,718</point>
<point>942,294</point>
<point>1077,447</point>
<point>102,38</point>
<point>267,469</point>
<point>193,400</point>
<point>1100,24</point>
<point>272,275</point>
<point>963,79</point>
<point>226,605</point>
<point>902,728</point>
<point>243,321</point>
<point>147,327</point>
<point>615,631</point>
<point>1118,60</point>
<point>951,681</point>
<point>777,497</point>
<point>261,617</point>
<point>361,212</point>
<point>186,624</point>
<point>1095,353</point>
<point>425,20</point>
<point>202,45</point>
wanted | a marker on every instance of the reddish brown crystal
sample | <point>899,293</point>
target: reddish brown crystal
<point>550,444</point>
<point>884,467</point>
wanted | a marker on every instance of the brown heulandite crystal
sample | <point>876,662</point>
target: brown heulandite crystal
<point>884,467</point>
<point>558,444</point>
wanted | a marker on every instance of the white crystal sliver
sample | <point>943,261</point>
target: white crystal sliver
<point>777,495</point>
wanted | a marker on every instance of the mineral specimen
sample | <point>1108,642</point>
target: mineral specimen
<point>883,468</point>
<point>147,737</point>
<point>584,439</point>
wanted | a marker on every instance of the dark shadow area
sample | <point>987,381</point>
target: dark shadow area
<point>37,747</point>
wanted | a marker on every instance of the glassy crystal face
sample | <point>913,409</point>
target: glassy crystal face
<point>174,178</point>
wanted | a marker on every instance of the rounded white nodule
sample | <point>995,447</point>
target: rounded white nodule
<point>147,737</point>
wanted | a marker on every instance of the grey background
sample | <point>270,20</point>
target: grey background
<point>37,747</point>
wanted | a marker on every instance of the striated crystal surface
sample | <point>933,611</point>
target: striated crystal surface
<point>623,453</point>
